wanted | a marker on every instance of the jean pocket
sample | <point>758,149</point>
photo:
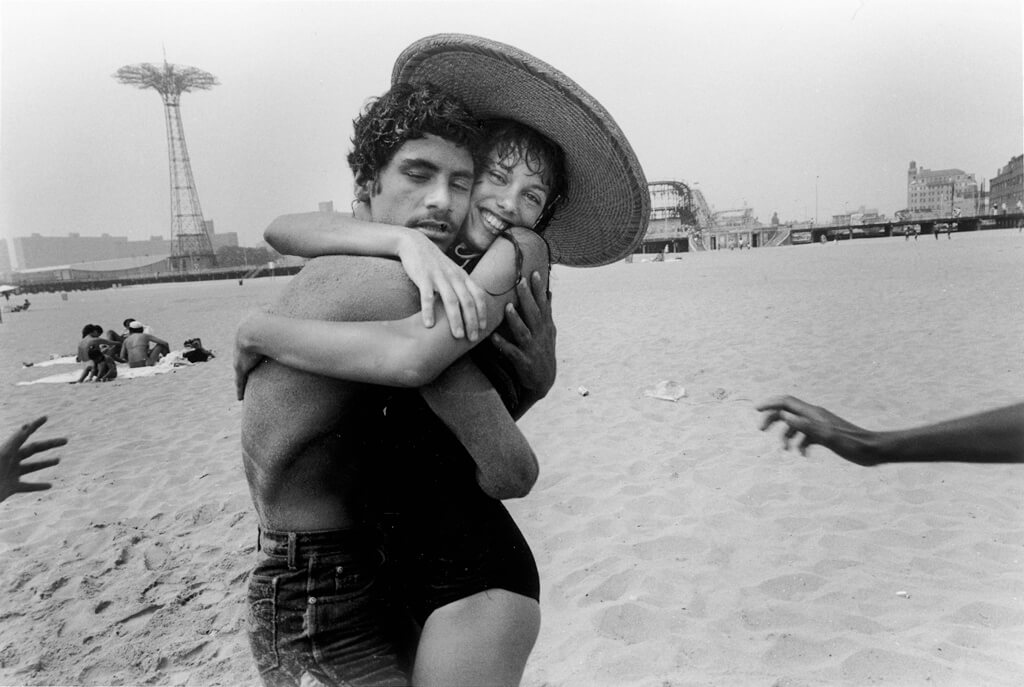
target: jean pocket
<point>262,598</point>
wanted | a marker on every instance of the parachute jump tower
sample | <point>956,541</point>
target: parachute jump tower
<point>191,248</point>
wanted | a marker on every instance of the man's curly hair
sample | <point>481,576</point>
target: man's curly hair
<point>404,113</point>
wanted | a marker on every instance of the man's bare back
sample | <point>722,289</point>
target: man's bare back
<point>301,433</point>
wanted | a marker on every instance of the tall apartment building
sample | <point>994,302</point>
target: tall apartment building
<point>940,192</point>
<point>1007,186</point>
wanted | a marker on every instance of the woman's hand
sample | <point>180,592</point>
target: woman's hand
<point>432,272</point>
<point>245,359</point>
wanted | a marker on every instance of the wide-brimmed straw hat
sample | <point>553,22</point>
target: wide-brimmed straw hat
<point>605,212</point>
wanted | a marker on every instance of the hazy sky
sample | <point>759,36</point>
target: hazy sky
<point>779,106</point>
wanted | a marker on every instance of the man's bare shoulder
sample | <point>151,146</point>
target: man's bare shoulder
<point>350,288</point>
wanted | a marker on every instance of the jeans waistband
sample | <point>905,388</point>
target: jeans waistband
<point>299,546</point>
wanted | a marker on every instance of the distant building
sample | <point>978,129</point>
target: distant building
<point>35,251</point>
<point>937,193</point>
<point>1007,186</point>
<point>5,260</point>
<point>736,219</point>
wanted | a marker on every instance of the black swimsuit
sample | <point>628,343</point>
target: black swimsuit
<point>447,539</point>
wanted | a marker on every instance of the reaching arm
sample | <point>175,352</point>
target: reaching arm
<point>395,353</point>
<point>465,401</point>
<point>995,436</point>
<point>13,454</point>
<point>312,234</point>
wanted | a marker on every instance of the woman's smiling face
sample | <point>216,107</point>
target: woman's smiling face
<point>508,193</point>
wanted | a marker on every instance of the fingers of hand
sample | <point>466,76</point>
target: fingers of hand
<point>427,306</point>
<point>507,348</point>
<point>528,302</point>
<point>519,330</point>
<point>479,297</point>
<point>541,294</point>
<point>36,446</point>
<point>469,310</point>
<point>26,430</point>
<point>26,468</point>
<point>32,486</point>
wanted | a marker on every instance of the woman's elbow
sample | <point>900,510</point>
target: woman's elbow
<point>411,370</point>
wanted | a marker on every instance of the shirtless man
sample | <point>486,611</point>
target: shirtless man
<point>318,597</point>
<point>136,347</point>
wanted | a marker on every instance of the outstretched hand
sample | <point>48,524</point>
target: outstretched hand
<point>433,272</point>
<point>245,360</point>
<point>15,450</point>
<point>533,353</point>
<point>818,426</point>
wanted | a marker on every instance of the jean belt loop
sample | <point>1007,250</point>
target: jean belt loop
<point>259,538</point>
<point>293,545</point>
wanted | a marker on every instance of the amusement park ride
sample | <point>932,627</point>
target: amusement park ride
<point>191,248</point>
<point>682,221</point>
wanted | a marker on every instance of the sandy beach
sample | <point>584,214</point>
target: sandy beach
<point>677,544</point>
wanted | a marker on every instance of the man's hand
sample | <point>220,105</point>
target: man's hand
<point>533,353</point>
<point>245,361</point>
<point>13,452</point>
<point>819,426</point>
<point>432,272</point>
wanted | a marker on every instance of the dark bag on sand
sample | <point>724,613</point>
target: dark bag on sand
<point>197,354</point>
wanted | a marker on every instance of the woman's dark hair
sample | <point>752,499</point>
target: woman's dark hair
<point>512,142</point>
<point>404,113</point>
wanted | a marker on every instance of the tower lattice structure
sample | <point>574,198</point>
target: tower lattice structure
<point>191,247</point>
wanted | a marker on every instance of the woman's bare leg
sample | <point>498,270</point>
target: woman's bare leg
<point>483,639</point>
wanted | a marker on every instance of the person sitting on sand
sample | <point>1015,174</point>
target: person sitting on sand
<point>141,349</point>
<point>100,368</point>
<point>14,451</point>
<point>92,337</point>
<point>994,436</point>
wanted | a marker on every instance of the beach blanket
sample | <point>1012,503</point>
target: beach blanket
<point>169,363</point>
<point>54,360</point>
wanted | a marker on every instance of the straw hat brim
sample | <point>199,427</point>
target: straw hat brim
<point>605,214</point>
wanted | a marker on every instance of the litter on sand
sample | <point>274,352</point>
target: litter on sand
<point>666,390</point>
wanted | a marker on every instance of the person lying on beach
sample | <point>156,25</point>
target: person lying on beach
<point>518,186</point>
<point>15,451</point>
<point>994,436</point>
<point>100,368</point>
<point>140,349</point>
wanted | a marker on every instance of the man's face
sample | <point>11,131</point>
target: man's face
<point>425,186</point>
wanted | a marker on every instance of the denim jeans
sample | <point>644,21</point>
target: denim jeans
<point>319,603</point>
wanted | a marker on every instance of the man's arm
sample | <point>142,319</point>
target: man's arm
<point>995,436</point>
<point>465,401</point>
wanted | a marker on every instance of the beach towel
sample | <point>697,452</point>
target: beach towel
<point>169,363</point>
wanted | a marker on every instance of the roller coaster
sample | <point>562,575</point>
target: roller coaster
<point>682,221</point>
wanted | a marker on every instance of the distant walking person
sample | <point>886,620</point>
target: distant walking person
<point>137,350</point>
